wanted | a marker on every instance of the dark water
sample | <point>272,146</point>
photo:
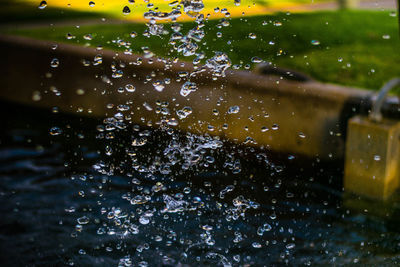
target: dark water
<point>47,183</point>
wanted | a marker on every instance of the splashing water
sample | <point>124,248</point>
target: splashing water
<point>177,154</point>
<point>154,210</point>
<point>187,88</point>
<point>218,64</point>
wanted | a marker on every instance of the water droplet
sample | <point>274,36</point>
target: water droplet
<point>144,220</point>
<point>173,205</point>
<point>377,158</point>
<point>233,110</point>
<point>36,96</point>
<point>88,37</point>
<point>130,88</point>
<point>92,4</point>
<point>267,227</point>
<point>252,36</point>
<point>289,195</point>
<point>256,60</point>
<point>172,122</point>
<point>42,5</point>
<point>133,34</point>
<point>126,10</point>
<point>54,63</point>
<point>290,246</point>
<point>55,131</point>
<point>183,113</point>
<point>83,220</point>
<point>80,91</point>
<point>97,60</point>
<point>69,36</point>
<point>315,42</point>
<point>159,85</point>
<point>218,64</point>
<point>173,3</point>
<point>187,88</point>
<point>192,7</point>
<point>302,135</point>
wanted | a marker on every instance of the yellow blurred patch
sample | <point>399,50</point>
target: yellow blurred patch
<point>114,8</point>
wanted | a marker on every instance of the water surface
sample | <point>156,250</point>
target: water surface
<point>57,210</point>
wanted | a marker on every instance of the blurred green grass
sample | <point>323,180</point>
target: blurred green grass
<point>356,48</point>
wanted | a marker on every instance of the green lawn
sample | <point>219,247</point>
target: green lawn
<point>356,48</point>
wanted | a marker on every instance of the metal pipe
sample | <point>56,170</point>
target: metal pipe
<point>376,114</point>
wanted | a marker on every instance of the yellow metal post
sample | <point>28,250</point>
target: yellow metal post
<point>372,160</point>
